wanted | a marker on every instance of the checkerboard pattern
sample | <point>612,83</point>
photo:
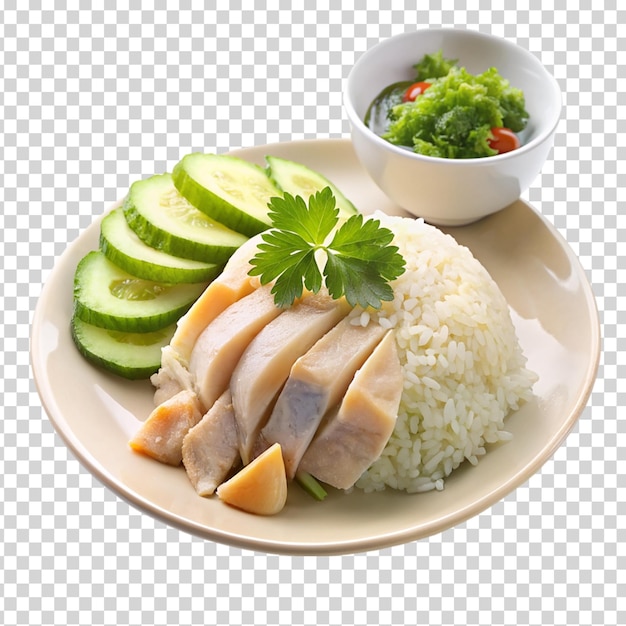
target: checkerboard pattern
<point>92,99</point>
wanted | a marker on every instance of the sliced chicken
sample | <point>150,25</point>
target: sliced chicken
<point>223,341</point>
<point>316,383</point>
<point>266,363</point>
<point>354,436</point>
<point>172,377</point>
<point>161,435</point>
<point>231,285</point>
<point>211,447</point>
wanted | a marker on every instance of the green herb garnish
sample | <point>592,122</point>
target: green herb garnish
<point>311,485</point>
<point>359,260</point>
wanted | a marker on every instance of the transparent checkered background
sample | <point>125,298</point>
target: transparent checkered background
<point>90,100</point>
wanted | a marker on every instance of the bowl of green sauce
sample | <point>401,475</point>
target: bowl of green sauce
<point>451,124</point>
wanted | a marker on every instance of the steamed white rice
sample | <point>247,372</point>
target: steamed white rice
<point>464,370</point>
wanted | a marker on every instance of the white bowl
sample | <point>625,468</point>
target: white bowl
<point>452,192</point>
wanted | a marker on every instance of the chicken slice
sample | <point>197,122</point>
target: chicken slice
<point>224,340</point>
<point>266,363</point>
<point>231,285</point>
<point>354,436</point>
<point>211,447</point>
<point>161,435</point>
<point>316,383</point>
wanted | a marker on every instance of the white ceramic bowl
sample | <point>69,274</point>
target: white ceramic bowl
<point>452,192</point>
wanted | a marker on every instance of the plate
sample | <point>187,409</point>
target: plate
<point>555,315</point>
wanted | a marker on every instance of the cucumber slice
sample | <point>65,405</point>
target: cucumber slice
<point>121,245</point>
<point>164,220</point>
<point>107,296</point>
<point>131,355</point>
<point>299,180</point>
<point>228,189</point>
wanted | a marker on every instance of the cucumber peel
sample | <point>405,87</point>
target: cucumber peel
<point>109,297</point>
<point>131,355</point>
<point>159,250</point>
<point>165,220</point>
<point>228,189</point>
<point>297,179</point>
<point>121,245</point>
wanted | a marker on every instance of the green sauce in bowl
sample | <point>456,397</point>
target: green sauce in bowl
<point>459,115</point>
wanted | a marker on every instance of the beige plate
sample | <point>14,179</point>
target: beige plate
<point>554,312</point>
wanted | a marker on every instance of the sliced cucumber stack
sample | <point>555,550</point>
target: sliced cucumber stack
<point>109,297</point>
<point>172,236</point>
<point>131,355</point>
<point>163,219</point>
<point>297,179</point>
<point>228,189</point>
<point>122,246</point>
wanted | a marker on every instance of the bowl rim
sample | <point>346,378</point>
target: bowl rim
<point>545,134</point>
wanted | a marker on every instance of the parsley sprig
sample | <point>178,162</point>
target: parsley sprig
<point>359,260</point>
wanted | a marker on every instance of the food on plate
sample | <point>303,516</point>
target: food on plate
<point>220,346</point>
<point>123,247</point>
<point>236,193</point>
<point>448,112</point>
<point>355,433</point>
<point>359,260</point>
<point>354,396</point>
<point>317,381</point>
<point>171,375</point>
<point>230,190</point>
<point>211,448</point>
<point>158,234</point>
<point>161,435</point>
<point>106,296</point>
<point>332,349</point>
<point>266,363</point>
<point>310,485</point>
<point>129,355</point>
<point>231,285</point>
<point>297,179</point>
<point>167,220</point>
<point>463,368</point>
<point>260,487</point>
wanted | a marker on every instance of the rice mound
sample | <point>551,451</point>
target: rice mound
<point>464,370</point>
